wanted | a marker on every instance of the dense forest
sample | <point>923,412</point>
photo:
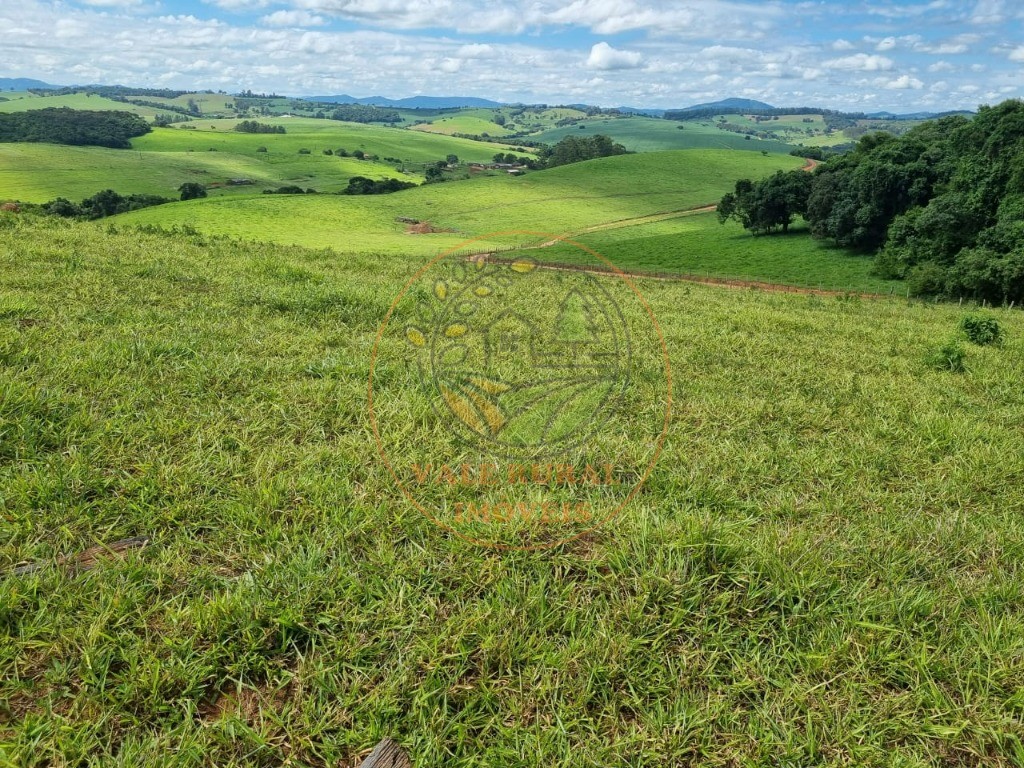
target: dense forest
<point>362,113</point>
<point>575,149</point>
<point>77,127</point>
<point>942,206</point>
<point>251,126</point>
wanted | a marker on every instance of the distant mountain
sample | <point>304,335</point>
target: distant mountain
<point>641,111</point>
<point>917,115</point>
<point>412,102</point>
<point>731,104</point>
<point>24,84</point>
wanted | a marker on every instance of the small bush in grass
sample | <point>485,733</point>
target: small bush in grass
<point>951,356</point>
<point>982,330</point>
<point>261,149</point>
<point>304,152</point>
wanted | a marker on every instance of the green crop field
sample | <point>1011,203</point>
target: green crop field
<point>209,103</point>
<point>697,245</point>
<point>462,123</point>
<point>558,200</point>
<point>75,101</point>
<point>649,134</point>
<point>316,136</point>
<point>41,172</point>
<point>822,569</point>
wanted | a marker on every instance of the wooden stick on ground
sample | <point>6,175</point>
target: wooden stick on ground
<point>387,754</point>
<point>89,558</point>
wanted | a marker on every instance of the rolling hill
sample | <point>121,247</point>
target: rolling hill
<point>559,200</point>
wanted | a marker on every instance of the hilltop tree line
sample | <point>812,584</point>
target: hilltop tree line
<point>362,113</point>
<point>251,126</point>
<point>77,127</point>
<point>575,149</point>
<point>941,206</point>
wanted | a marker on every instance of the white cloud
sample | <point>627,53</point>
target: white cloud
<point>843,45</point>
<point>989,12</point>
<point>860,62</point>
<point>293,19</point>
<point>904,82</point>
<point>941,66</point>
<point>603,56</point>
<point>1017,54</point>
<point>903,11</point>
<point>478,51</point>
<point>886,44</point>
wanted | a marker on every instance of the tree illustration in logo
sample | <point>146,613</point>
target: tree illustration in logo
<point>523,367</point>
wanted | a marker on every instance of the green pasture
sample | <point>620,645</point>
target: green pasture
<point>41,172</point>
<point>650,134</point>
<point>699,246</point>
<point>316,136</point>
<point>74,101</point>
<point>822,569</point>
<point>463,123</point>
<point>555,201</point>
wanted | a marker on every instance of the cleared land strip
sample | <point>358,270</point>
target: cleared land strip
<point>728,282</point>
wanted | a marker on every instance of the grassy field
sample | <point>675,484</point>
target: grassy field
<point>462,123</point>
<point>823,569</point>
<point>212,153</point>
<point>75,101</point>
<point>699,246</point>
<point>554,201</point>
<point>209,103</point>
<point>649,134</point>
<point>316,136</point>
<point>41,172</point>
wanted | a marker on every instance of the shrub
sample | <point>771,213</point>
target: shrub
<point>951,356</point>
<point>191,190</point>
<point>982,330</point>
<point>261,149</point>
<point>304,152</point>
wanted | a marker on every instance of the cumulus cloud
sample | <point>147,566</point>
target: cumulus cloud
<point>293,19</point>
<point>860,62</point>
<point>941,66</point>
<point>843,45</point>
<point>1017,54</point>
<point>904,82</point>
<point>886,44</point>
<point>603,56</point>
<point>989,12</point>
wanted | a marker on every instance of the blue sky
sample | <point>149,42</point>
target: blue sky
<point>903,57</point>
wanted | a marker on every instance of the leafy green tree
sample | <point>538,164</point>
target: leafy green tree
<point>191,190</point>
<point>769,204</point>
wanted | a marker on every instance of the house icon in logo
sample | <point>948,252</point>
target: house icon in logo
<point>580,337</point>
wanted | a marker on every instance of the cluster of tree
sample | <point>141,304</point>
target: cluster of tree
<point>77,127</point>
<point>512,159</point>
<point>102,204</point>
<point>191,110</point>
<point>360,185</point>
<point>248,94</point>
<point>767,205</point>
<point>575,149</point>
<point>162,121</point>
<point>705,113</point>
<point>251,126</point>
<point>811,153</point>
<point>289,190</point>
<point>362,113</point>
<point>120,92</point>
<point>942,205</point>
